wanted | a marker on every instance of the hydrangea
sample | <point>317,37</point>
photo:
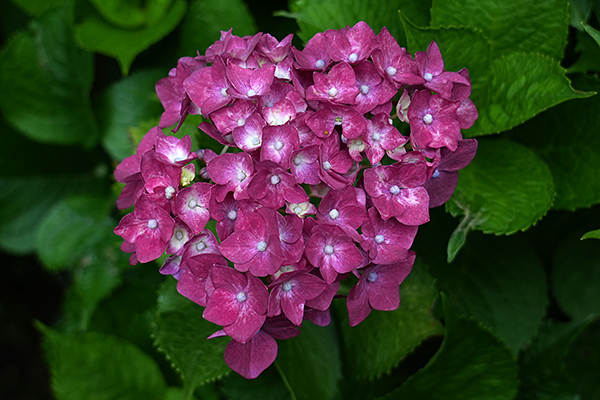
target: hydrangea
<point>320,185</point>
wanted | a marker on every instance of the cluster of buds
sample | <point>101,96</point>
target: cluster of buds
<point>320,186</point>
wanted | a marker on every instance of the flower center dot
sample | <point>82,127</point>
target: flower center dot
<point>178,235</point>
<point>428,119</point>
<point>200,246</point>
<point>364,89</point>
<point>353,57</point>
<point>275,179</point>
<point>428,77</point>
<point>224,92</point>
<point>255,141</point>
<point>251,93</point>
<point>286,268</point>
<point>297,209</point>
<point>320,64</point>
<point>328,249</point>
<point>372,277</point>
<point>297,161</point>
<point>193,203</point>
<point>394,189</point>
<point>278,145</point>
<point>241,297</point>
<point>241,176</point>
<point>338,120</point>
<point>436,173</point>
<point>169,192</point>
<point>286,287</point>
<point>376,136</point>
<point>261,246</point>
<point>333,214</point>
<point>391,71</point>
<point>332,92</point>
<point>379,239</point>
<point>241,122</point>
<point>152,223</point>
<point>232,215</point>
<point>326,165</point>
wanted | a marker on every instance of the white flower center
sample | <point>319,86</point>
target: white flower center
<point>320,64</point>
<point>255,141</point>
<point>275,179</point>
<point>193,203</point>
<point>169,192</point>
<point>436,173</point>
<point>286,287</point>
<point>251,93</point>
<point>241,297</point>
<point>364,89</point>
<point>178,235</point>
<point>200,246</point>
<point>326,165</point>
<point>328,249</point>
<point>286,268</point>
<point>333,214</point>
<point>376,136</point>
<point>379,239</point>
<point>372,277</point>
<point>278,145</point>
<point>332,92</point>
<point>241,175</point>
<point>394,189</point>
<point>232,215</point>
<point>152,224</point>
<point>428,77</point>
<point>428,119</point>
<point>297,161</point>
<point>353,57</point>
<point>224,92</point>
<point>261,246</point>
<point>297,209</point>
<point>391,71</point>
<point>338,120</point>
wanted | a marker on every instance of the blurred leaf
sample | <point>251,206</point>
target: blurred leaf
<point>181,333</point>
<point>96,366</point>
<point>36,7</point>
<point>315,16</point>
<point>310,363</point>
<point>580,11</point>
<point>505,189</point>
<point>595,34</point>
<point>583,361</point>
<point>503,98</point>
<point>268,386</point>
<point>125,104</point>
<point>541,366</point>
<point>132,14</point>
<point>566,139</point>
<point>379,343</point>
<point>96,34</point>
<point>499,281</point>
<point>46,79</point>
<point>205,20</point>
<point>70,228</point>
<point>589,57</point>
<point>471,364</point>
<point>511,25</point>
<point>576,276</point>
<point>592,235</point>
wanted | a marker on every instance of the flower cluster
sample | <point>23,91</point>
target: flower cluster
<point>321,186</point>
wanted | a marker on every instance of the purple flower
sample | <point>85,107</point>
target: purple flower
<point>232,172</point>
<point>314,56</point>
<point>337,87</point>
<point>236,301</point>
<point>249,84</point>
<point>431,67</point>
<point>272,186</point>
<point>351,45</point>
<point>433,121</point>
<point>380,136</point>
<point>373,89</point>
<point>278,144</point>
<point>207,87</point>
<point>193,275</point>
<point>387,241</point>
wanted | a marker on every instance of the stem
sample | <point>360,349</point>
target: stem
<point>225,148</point>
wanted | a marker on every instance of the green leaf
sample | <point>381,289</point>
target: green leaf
<point>181,333</point>
<point>70,228</point>
<point>471,364</point>
<point>379,343</point>
<point>541,366</point>
<point>503,98</point>
<point>595,34</point>
<point>268,386</point>
<point>96,34</point>
<point>96,366</point>
<point>315,16</point>
<point>131,15</point>
<point>37,7</point>
<point>510,25</point>
<point>566,139</point>
<point>592,235</point>
<point>46,79</point>
<point>583,361</point>
<point>126,104</point>
<point>205,19</point>
<point>499,281</point>
<point>580,11</point>
<point>310,363</point>
<point>506,188</point>
<point>576,276</point>
<point>589,57</point>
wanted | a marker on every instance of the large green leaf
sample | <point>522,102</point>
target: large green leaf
<point>503,97</point>
<point>576,276</point>
<point>566,139</point>
<point>592,235</point>
<point>499,281</point>
<point>46,79</point>
<point>96,366</point>
<point>583,361</point>
<point>471,364</point>
<point>205,19</point>
<point>181,333</point>
<point>532,26</point>
<point>505,189</point>
<point>268,386</point>
<point>132,14</point>
<point>310,363</point>
<point>96,34</point>
<point>125,104</point>
<point>379,343</point>
<point>36,7</point>
<point>541,366</point>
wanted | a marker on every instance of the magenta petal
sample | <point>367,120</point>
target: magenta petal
<point>239,247</point>
<point>250,359</point>
<point>293,308</point>
<point>247,323</point>
<point>358,304</point>
<point>222,308</point>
